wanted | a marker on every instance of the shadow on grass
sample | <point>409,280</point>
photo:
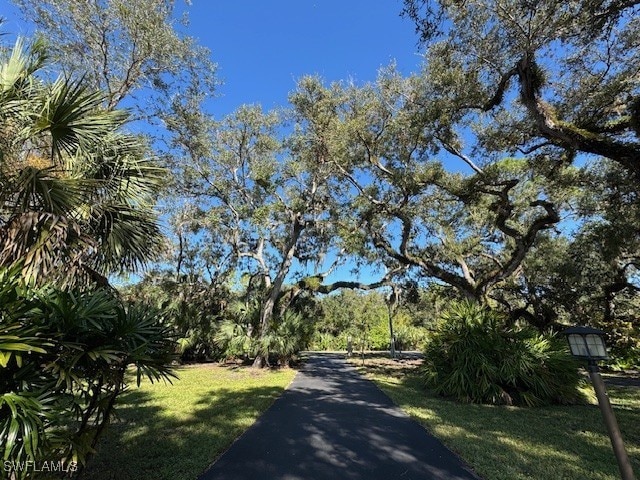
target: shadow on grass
<point>563,442</point>
<point>147,441</point>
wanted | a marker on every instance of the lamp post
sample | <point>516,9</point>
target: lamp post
<point>392,304</point>
<point>588,343</point>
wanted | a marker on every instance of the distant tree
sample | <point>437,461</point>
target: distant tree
<point>362,316</point>
<point>365,315</point>
<point>337,313</point>
<point>133,50</point>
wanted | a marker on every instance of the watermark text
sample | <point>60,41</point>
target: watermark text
<point>43,466</point>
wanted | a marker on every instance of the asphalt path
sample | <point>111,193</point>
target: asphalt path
<point>333,424</point>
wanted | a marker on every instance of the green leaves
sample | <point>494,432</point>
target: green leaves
<point>10,344</point>
<point>73,117</point>
<point>63,356</point>
<point>77,190</point>
<point>474,357</point>
<point>22,430</point>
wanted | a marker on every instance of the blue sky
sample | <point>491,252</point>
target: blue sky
<point>263,47</point>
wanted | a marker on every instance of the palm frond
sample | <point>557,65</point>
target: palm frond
<point>474,357</point>
<point>127,236</point>
<point>45,243</point>
<point>74,117</point>
<point>15,70</point>
<point>77,191</point>
<point>35,189</point>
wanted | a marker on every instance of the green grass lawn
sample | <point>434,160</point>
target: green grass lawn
<point>509,443</point>
<point>175,432</point>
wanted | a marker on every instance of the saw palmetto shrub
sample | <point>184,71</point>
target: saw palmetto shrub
<point>287,335</point>
<point>474,357</point>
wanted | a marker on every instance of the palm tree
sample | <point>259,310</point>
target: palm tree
<point>76,195</point>
<point>76,202</point>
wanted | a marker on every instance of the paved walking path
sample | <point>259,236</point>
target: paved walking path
<point>333,424</point>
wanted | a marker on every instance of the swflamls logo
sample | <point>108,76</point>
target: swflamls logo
<point>44,466</point>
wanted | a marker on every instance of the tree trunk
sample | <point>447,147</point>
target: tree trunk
<point>392,304</point>
<point>266,314</point>
<point>258,362</point>
<point>392,339</point>
<point>268,304</point>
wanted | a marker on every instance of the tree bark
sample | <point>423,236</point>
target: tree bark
<point>268,304</point>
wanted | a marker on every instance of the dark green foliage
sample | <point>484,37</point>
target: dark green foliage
<point>288,333</point>
<point>194,306</point>
<point>63,356</point>
<point>286,336</point>
<point>474,358</point>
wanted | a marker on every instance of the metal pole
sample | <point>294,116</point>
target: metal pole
<point>615,436</point>
<point>392,303</point>
<point>392,341</point>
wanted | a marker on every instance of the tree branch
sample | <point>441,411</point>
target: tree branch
<point>523,242</point>
<point>499,93</point>
<point>565,134</point>
<point>354,285</point>
<point>454,151</point>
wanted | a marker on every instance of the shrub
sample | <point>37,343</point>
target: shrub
<point>63,356</point>
<point>409,337</point>
<point>326,341</point>
<point>235,336</point>
<point>378,335</point>
<point>474,358</point>
<point>286,336</point>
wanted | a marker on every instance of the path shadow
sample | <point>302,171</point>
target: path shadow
<point>333,424</point>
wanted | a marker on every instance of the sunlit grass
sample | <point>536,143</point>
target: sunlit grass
<point>507,443</point>
<point>165,431</point>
